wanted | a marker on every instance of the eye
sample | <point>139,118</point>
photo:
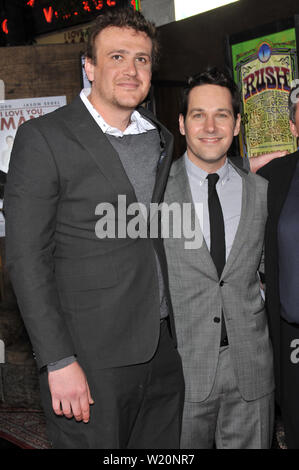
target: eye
<point>222,115</point>
<point>142,60</point>
<point>198,116</point>
<point>117,57</point>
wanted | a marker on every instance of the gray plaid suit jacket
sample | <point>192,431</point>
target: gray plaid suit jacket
<point>198,296</point>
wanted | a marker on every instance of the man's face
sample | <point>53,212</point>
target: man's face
<point>294,126</point>
<point>209,126</point>
<point>121,74</point>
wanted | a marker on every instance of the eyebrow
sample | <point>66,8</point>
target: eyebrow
<point>218,109</point>
<point>125,51</point>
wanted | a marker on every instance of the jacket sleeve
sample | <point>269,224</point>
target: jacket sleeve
<point>30,203</point>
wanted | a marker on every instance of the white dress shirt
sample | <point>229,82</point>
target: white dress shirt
<point>138,124</point>
<point>229,190</point>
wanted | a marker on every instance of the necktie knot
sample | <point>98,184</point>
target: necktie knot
<point>212,179</point>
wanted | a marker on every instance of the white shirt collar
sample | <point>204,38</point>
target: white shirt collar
<point>138,124</point>
<point>201,175</point>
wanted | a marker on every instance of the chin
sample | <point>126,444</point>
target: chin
<point>214,159</point>
<point>128,104</point>
<point>130,101</point>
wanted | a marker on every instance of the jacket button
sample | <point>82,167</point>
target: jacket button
<point>221,284</point>
<point>216,320</point>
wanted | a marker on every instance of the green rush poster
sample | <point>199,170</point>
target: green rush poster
<point>264,69</point>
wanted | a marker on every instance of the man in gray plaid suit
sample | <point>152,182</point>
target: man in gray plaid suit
<point>219,311</point>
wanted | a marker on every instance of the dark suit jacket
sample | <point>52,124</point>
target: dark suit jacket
<point>279,173</point>
<point>78,294</point>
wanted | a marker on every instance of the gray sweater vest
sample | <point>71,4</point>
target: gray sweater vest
<point>139,155</point>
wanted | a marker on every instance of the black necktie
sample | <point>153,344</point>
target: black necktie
<point>217,233</point>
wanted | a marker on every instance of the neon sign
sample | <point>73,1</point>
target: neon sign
<point>48,12</point>
<point>51,15</point>
<point>4,26</point>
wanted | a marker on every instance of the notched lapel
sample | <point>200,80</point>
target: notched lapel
<point>165,161</point>
<point>247,211</point>
<point>180,191</point>
<point>91,137</point>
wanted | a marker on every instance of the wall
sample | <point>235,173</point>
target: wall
<point>196,42</point>
<point>41,70</point>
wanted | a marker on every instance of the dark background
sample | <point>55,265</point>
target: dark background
<point>25,22</point>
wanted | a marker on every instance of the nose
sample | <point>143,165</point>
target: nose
<point>210,125</point>
<point>131,68</point>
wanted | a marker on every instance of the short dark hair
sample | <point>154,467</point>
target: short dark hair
<point>292,102</point>
<point>122,18</point>
<point>211,76</point>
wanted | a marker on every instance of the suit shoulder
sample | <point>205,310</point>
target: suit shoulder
<point>259,180</point>
<point>176,166</point>
<point>53,119</point>
<point>260,184</point>
<point>277,165</point>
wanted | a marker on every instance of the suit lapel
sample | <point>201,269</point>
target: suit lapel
<point>247,208</point>
<point>181,192</point>
<point>166,142</point>
<point>91,137</point>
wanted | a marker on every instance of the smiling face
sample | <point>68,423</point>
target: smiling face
<point>121,72</point>
<point>209,126</point>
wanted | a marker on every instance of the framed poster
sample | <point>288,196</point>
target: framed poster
<point>13,113</point>
<point>264,64</point>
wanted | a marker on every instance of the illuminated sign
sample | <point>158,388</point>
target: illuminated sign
<point>4,26</point>
<point>50,15</point>
<point>184,9</point>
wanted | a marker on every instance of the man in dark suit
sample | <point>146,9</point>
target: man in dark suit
<point>97,308</point>
<point>282,276</point>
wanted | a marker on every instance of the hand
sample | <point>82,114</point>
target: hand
<point>257,162</point>
<point>70,392</point>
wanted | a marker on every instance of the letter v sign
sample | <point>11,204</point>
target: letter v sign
<point>48,14</point>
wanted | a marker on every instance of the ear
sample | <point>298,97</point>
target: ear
<point>293,129</point>
<point>237,125</point>
<point>182,124</point>
<point>89,68</point>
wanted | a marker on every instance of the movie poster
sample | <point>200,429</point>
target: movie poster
<point>13,113</point>
<point>264,69</point>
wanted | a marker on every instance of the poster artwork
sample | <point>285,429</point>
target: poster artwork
<point>264,69</point>
<point>13,113</point>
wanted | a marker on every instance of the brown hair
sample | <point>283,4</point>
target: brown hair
<point>122,18</point>
<point>211,76</point>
